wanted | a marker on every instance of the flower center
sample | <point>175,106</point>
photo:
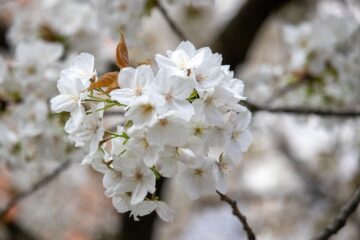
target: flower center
<point>200,77</point>
<point>236,135</point>
<point>198,172</point>
<point>138,176</point>
<point>138,92</point>
<point>163,122</point>
<point>169,98</point>
<point>147,108</point>
<point>144,142</point>
<point>198,131</point>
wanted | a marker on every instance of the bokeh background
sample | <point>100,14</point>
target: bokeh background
<point>294,179</point>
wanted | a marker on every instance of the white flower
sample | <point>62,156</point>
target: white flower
<point>142,112</point>
<point>170,157</point>
<point>168,130</point>
<point>71,18</point>
<point>201,65</point>
<point>71,94</point>
<point>114,17</point>
<point>82,68</point>
<point>134,83</point>
<point>172,92</point>
<point>110,180</point>
<point>237,134</point>
<point>36,62</point>
<point>90,131</point>
<point>183,59</point>
<point>72,86</point>
<point>222,169</point>
<point>139,145</point>
<point>137,178</point>
<point>199,179</point>
<point>210,105</point>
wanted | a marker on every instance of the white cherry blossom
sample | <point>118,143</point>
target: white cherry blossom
<point>134,83</point>
<point>137,178</point>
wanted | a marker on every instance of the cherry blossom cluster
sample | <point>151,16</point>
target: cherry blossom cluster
<point>44,36</point>
<point>27,81</point>
<point>184,121</point>
<point>325,52</point>
<point>322,58</point>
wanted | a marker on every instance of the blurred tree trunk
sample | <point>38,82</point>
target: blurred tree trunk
<point>3,31</point>
<point>235,40</point>
<point>16,232</point>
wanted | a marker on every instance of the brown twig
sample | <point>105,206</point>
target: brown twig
<point>341,218</point>
<point>236,212</point>
<point>303,111</point>
<point>37,186</point>
<point>171,23</point>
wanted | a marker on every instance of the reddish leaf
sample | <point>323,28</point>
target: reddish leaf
<point>122,55</point>
<point>108,80</point>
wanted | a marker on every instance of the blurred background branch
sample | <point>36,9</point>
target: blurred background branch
<point>302,111</point>
<point>237,213</point>
<point>340,220</point>
<point>37,186</point>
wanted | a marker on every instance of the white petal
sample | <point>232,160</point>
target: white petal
<point>123,95</point>
<point>126,185</point>
<point>187,47</point>
<point>164,62</point>
<point>165,212</point>
<point>126,77</point>
<point>245,140</point>
<point>172,133</point>
<point>167,166</point>
<point>243,120</point>
<point>138,194</point>
<point>184,108</point>
<point>213,115</point>
<point>121,203</point>
<point>234,151</point>
<point>85,62</point>
<point>144,75</point>
<point>180,86</point>
<point>142,209</point>
<point>63,103</point>
<point>151,156</point>
<point>78,115</point>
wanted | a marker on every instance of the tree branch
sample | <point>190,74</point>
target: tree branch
<point>37,186</point>
<point>303,111</point>
<point>171,23</point>
<point>236,212</point>
<point>341,218</point>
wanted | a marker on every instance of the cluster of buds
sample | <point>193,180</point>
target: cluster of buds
<point>184,121</point>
